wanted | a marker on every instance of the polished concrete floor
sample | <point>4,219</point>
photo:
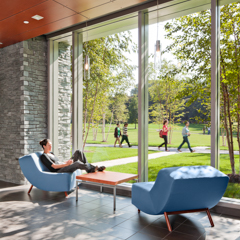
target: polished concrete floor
<point>49,215</point>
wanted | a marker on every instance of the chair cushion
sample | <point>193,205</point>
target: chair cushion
<point>180,189</point>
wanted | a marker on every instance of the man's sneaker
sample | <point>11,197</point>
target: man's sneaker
<point>179,150</point>
<point>192,151</point>
<point>92,169</point>
<point>102,168</point>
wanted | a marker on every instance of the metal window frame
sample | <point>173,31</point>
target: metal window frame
<point>143,96</point>
<point>77,80</point>
<point>215,83</point>
<point>53,94</point>
<point>77,74</point>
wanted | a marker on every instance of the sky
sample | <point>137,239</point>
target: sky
<point>152,41</point>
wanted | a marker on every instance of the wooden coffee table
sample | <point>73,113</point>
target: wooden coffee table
<point>105,178</point>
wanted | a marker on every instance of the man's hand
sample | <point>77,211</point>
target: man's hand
<point>69,162</point>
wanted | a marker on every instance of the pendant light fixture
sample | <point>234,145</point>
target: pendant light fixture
<point>157,51</point>
<point>86,62</point>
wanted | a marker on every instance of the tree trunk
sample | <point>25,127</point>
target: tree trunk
<point>236,38</point>
<point>93,130</point>
<point>223,137</point>
<point>95,96</point>
<point>227,128</point>
<point>85,113</point>
<point>109,126</point>
<point>103,128</point>
<point>96,132</point>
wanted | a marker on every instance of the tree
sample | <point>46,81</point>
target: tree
<point>107,57</point>
<point>133,109</point>
<point>163,94</point>
<point>191,44</point>
<point>119,111</point>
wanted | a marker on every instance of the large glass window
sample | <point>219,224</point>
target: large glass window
<point>176,62</point>
<point>110,98</point>
<point>179,89</point>
<point>230,96</point>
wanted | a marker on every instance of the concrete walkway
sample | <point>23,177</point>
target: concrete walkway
<point>121,161</point>
<point>197,149</point>
<point>158,154</point>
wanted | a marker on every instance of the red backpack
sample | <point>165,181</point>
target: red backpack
<point>161,133</point>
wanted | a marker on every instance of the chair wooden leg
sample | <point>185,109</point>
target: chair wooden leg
<point>210,217</point>
<point>138,210</point>
<point>168,223</point>
<point>66,194</point>
<point>30,189</point>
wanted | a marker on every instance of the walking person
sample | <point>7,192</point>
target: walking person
<point>125,135</point>
<point>209,129</point>
<point>117,134</point>
<point>164,135</point>
<point>186,134</point>
<point>204,129</point>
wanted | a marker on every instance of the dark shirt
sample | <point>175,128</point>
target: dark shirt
<point>116,133</point>
<point>49,160</point>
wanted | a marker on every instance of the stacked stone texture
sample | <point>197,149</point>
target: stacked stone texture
<point>64,100</point>
<point>23,104</point>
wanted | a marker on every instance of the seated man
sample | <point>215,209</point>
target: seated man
<point>77,161</point>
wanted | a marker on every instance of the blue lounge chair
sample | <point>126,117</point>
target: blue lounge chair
<point>180,190</point>
<point>39,176</point>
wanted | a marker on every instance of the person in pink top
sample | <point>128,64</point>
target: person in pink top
<point>164,134</point>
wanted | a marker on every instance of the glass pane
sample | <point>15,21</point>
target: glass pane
<point>179,91</point>
<point>110,95</point>
<point>230,97</point>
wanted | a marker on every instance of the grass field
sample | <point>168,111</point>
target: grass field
<point>183,159</point>
<point>98,154</point>
<point>196,139</point>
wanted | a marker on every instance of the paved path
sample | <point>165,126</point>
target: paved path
<point>158,154</point>
<point>121,161</point>
<point>197,149</point>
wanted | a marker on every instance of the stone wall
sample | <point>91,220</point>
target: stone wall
<point>23,104</point>
<point>34,94</point>
<point>64,100</point>
<point>11,143</point>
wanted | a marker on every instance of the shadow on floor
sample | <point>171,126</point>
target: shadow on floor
<point>50,215</point>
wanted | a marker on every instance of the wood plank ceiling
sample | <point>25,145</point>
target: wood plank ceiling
<point>57,14</point>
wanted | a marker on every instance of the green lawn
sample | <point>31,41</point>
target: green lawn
<point>183,159</point>
<point>98,154</point>
<point>196,139</point>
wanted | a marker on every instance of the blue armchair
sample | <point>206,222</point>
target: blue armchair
<point>39,176</point>
<point>180,190</point>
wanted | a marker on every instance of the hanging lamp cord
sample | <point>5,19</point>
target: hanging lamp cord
<point>157,19</point>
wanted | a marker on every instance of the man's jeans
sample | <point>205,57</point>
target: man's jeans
<point>185,139</point>
<point>124,137</point>
<point>79,162</point>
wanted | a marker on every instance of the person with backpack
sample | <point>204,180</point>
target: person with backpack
<point>163,133</point>
<point>117,134</point>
